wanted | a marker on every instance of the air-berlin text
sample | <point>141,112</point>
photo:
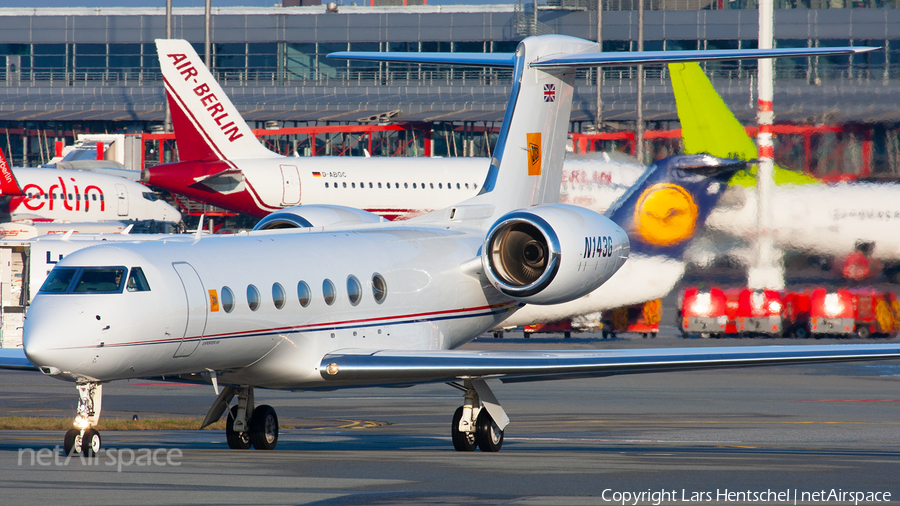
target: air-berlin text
<point>207,99</point>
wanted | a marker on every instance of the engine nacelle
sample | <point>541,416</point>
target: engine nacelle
<point>316,216</point>
<point>551,254</point>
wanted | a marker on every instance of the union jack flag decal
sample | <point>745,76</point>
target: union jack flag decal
<point>549,92</point>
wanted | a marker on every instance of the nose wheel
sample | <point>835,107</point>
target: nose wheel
<point>86,440</point>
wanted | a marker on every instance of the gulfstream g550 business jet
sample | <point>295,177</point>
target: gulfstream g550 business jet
<point>350,300</point>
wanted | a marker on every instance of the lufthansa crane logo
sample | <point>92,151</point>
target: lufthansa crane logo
<point>665,215</point>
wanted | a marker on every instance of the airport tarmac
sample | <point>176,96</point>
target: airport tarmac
<point>789,430</point>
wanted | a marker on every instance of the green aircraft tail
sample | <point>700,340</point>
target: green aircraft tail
<point>708,126</point>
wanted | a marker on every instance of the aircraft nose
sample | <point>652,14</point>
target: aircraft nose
<point>51,337</point>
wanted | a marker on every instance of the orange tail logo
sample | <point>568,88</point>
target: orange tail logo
<point>534,153</point>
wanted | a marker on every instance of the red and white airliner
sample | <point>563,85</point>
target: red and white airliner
<point>34,201</point>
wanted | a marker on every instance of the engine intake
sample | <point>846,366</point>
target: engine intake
<point>523,254</point>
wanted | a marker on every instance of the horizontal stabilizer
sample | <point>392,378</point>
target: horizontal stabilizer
<point>223,182</point>
<point>387,367</point>
<point>595,59</point>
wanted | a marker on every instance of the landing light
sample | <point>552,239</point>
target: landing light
<point>332,369</point>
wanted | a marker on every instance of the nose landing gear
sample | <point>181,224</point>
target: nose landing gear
<point>84,438</point>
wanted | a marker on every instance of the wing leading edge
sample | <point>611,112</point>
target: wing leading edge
<point>386,367</point>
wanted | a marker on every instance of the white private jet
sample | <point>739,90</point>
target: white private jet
<point>353,301</point>
<point>33,196</point>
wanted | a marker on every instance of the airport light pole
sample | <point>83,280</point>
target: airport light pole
<point>206,36</point>
<point>768,272</point>
<point>639,126</point>
<point>598,119</point>
<point>167,124</point>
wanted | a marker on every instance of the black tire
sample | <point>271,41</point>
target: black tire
<point>236,441</point>
<point>567,334</point>
<point>487,433</point>
<point>462,442</point>
<point>801,333</point>
<point>264,428</point>
<point>91,443</point>
<point>72,442</point>
<point>863,332</point>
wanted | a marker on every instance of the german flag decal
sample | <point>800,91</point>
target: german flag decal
<point>213,302</point>
<point>317,174</point>
<point>534,153</point>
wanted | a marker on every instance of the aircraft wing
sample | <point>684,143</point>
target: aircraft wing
<point>388,367</point>
<point>14,358</point>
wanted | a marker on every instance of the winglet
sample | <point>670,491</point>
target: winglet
<point>8,184</point>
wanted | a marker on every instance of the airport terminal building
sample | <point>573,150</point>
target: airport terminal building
<point>96,69</point>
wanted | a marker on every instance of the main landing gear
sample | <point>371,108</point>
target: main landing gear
<point>480,421</point>
<point>84,438</point>
<point>246,425</point>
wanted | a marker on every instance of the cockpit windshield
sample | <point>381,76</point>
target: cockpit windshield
<point>100,279</point>
<point>94,280</point>
<point>59,279</point>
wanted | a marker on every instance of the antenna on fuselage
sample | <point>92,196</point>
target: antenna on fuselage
<point>199,228</point>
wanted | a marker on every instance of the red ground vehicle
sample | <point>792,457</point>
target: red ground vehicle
<point>564,327</point>
<point>639,318</point>
<point>759,312</point>
<point>831,313</point>
<point>703,312</point>
<point>875,312</point>
<point>795,314</point>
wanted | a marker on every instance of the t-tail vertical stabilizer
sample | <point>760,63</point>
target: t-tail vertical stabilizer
<point>207,125</point>
<point>527,166</point>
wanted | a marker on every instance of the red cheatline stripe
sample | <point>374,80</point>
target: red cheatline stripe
<point>315,325</point>
<point>765,106</point>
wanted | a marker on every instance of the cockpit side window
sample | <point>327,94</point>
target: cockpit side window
<point>150,196</point>
<point>100,279</point>
<point>137,282</point>
<point>58,281</point>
